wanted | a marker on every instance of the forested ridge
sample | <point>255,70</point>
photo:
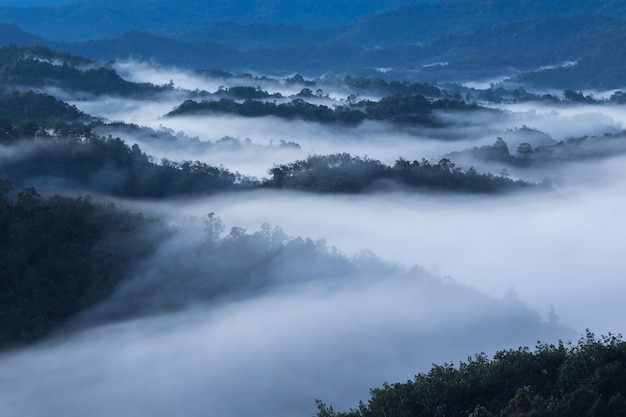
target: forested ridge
<point>562,380</point>
<point>402,109</point>
<point>60,255</point>
<point>343,173</point>
<point>38,66</point>
<point>62,147</point>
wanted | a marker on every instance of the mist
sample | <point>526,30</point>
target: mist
<point>348,326</point>
<point>552,249</point>
<point>193,80</point>
<point>558,248</point>
<point>378,140</point>
<point>326,296</point>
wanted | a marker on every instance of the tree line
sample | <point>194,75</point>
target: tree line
<point>60,255</point>
<point>64,149</point>
<point>343,173</point>
<point>573,380</point>
<point>413,109</point>
<point>37,66</point>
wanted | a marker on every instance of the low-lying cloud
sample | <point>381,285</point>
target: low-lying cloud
<point>157,347</point>
<point>267,354</point>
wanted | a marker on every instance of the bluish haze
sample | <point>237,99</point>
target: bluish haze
<point>255,302</point>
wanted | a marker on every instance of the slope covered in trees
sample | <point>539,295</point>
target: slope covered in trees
<point>37,66</point>
<point>25,107</point>
<point>60,255</point>
<point>84,160</point>
<point>342,173</point>
<point>585,379</point>
<point>411,109</point>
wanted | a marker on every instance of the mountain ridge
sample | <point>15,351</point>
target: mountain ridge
<point>396,21</point>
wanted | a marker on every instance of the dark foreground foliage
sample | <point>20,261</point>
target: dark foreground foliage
<point>60,255</point>
<point>583,380</point>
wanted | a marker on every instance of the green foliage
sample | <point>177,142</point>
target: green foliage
<point>330,173</point>
<point>586,379</point>
<point>343,173</point>
<point>296,108</point>
<point>77,157</point>
<point>74,156</point>
<point>59,255</point>
<point>30,114</point>
<point>39,67</point>
<point>415,109</point>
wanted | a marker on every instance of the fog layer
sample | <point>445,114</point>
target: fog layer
<point>173,340</point>
<point>268,353</point>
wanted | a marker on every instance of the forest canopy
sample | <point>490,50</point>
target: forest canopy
<point>563,380</point>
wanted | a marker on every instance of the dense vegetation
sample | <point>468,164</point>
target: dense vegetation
<point>63,147</point>
<point>342,173</point>
<point>75,156</point>
<point>60,255</point>
<point>108,165</point>
<point>587,379</point>
<point>36,66</point>
<point>415,109</point>
<point>38,108</point>
<point>29,115</point>
<point>296,108</point>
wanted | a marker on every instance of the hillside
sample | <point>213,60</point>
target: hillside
<point>454,41</point>
<point>585,379</point>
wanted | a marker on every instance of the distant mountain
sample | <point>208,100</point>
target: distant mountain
<point>540,51</point>
<point>309,59</point>
<point>261,35</point>
<point>518,47</point>
<point>418,22</point>
<point>513,48</point>
<point>144,46</point>
<point>92,19</point>
<point>364,22</point>
<point>11,33</point>
<point>597,62</point>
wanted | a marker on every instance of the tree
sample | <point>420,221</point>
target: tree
<point>524,149</point>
